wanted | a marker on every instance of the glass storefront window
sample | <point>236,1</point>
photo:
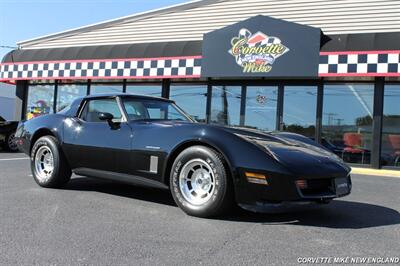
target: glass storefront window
<point>191,98</point>
<point>299,109</point>
<point>391,126</point>
<point>261,106</point>
<point>105,88</point>
<point>68,93</point>
<point>150,90</point>
<point>347,121</point>
<point>40,100</point>
<point>225,105</point>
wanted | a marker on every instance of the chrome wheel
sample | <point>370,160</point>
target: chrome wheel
<point>12,145</point>
<point>44,163</point>
<point>197,181</point>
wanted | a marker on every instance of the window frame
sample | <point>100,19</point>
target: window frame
<point>386,83</point>
<point>31,85</point>
<point>316,86</point>
<point>105,84</point>
<point>373,151</point>
<point>129,84</point>
<point>188,84</point>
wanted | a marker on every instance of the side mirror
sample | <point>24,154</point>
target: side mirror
<point>106,117</point>
<point>109,117</point>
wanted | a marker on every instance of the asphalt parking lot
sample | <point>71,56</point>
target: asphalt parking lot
<point>93,222</point>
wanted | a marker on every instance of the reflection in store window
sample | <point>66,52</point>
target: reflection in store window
<point>105,88</point>
<point>299,107</point>
<point>149,90</point>
<point>225,105</point>
<point>68,93</point>
<point>40,100</point>
<point>261,105</point>
<point>192,99</point>
<point>391,126</point>
<point>347,121</point>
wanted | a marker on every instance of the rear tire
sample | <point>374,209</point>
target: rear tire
<point>48,164</point>
<point>200,183</point>
<point>10,144</point>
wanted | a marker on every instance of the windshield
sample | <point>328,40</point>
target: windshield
<point>149,109</point>
<point>64,109</point>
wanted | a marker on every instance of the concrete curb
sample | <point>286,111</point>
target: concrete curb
<point>377,172</point>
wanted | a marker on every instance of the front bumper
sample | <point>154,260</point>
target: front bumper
<point>281,189</point>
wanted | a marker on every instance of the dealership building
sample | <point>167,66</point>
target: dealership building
<point>325,69</point>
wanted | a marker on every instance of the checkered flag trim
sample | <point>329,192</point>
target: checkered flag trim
<point>359,64</point>
<point>177,67</point>
<point>382,63</point>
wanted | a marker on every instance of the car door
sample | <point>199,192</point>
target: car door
<point>95,144</point>
<point>149,144</point>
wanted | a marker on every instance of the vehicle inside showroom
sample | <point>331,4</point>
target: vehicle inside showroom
<point>331,75</point>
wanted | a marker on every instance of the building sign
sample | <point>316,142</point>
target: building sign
<point>256,53</point>
<point>261,47</point>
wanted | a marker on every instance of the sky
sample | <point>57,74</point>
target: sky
<point>25,19</point>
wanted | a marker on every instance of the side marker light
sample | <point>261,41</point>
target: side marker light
<point>256,178</point>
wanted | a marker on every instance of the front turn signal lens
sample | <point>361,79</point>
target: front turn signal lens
<point>301,184</point>
<point>256,178</point>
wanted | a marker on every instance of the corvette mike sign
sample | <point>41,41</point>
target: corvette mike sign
<point>257,52</point>
<point>262,47</point>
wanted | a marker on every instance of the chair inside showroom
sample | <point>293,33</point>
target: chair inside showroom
<point>353,145</point>
<point>394,141</point>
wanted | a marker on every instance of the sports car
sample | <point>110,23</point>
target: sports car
<point>208,168</point>
<point>7,134</point>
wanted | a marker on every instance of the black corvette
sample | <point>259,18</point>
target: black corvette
<point>150,141</point>
<point>7,134</point>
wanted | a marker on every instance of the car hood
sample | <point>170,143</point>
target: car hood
<point>297,153</point>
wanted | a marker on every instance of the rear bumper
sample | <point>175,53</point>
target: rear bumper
<point>283,189</point>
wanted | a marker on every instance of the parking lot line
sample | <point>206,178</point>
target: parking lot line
<point>376,172</point>
<point>12,159</point>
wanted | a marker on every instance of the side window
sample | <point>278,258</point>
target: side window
<point>135,110</point>
<point>156,113</point>
<point>173,114</point>
<point>139,109</point>
<point>164,112</point>
<point>92,109</point>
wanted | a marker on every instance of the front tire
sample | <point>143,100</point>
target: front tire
<point>48,164</point>
<point>199,182</point>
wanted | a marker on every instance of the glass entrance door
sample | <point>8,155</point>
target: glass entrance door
<point>299,110</point>
<point>258,106</point>
<point>261,107</point>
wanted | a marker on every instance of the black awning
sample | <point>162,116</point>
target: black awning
<point>363,42</point>
<point>330,43</point>
<point>141,50</point>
